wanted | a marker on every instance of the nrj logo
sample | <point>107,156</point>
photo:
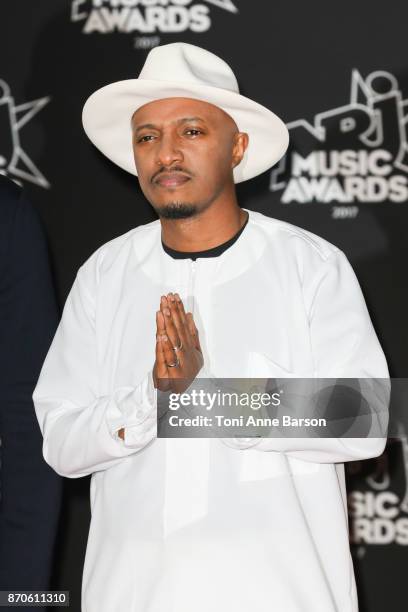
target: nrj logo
<point>146,16</point>
<point>14,161</point>
<point>352,153</point>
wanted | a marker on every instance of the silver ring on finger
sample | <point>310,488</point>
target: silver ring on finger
<point>178,348</point>
<point>174,365</point>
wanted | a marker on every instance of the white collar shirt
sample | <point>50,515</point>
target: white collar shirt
<point>192,525</point>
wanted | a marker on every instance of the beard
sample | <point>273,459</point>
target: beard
<point>176,210</point>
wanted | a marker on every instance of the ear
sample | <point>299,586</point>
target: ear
<point>241,140</point>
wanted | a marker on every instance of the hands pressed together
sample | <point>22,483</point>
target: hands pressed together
<point>179,356</point>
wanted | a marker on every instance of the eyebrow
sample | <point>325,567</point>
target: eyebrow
<point>151,126</point>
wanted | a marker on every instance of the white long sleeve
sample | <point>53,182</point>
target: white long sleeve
<point>344,345</point>
<point>79,427</point>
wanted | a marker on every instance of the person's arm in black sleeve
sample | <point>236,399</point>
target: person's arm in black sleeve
<point>30,489</point>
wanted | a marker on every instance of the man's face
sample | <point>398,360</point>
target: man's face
<point>185,151</point>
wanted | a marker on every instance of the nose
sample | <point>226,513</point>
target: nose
<point>168,151</point>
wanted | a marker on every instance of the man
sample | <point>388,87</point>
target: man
<point>30,490</point>
<point>207,290</point>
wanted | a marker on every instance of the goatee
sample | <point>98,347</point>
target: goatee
<point>176,210</point>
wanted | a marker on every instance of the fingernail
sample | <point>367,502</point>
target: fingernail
<point>178,297</point>
<point>167,312</point>
<point>171,297</point>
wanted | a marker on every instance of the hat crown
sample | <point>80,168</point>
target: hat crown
<point>189,64</point>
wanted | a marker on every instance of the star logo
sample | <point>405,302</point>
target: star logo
<point>14,161</point>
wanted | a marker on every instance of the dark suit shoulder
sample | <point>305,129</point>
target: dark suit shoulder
<point>16,210</point>
<point>10,193</point>
<point>21,230</point>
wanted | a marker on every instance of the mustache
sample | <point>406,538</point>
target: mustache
<point>165,170</point>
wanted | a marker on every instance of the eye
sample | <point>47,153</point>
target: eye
<point>142,138</point>
<point>194,130</point>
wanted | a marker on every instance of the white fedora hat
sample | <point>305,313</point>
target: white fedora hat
<point>183,70</point>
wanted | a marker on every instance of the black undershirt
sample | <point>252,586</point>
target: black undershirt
<point>213,252</point>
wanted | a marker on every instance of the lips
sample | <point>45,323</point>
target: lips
<point>172,180</point>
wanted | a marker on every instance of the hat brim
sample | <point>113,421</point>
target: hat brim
<point>107,113</point>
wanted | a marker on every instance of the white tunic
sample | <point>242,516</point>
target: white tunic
<point>199,525</point>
